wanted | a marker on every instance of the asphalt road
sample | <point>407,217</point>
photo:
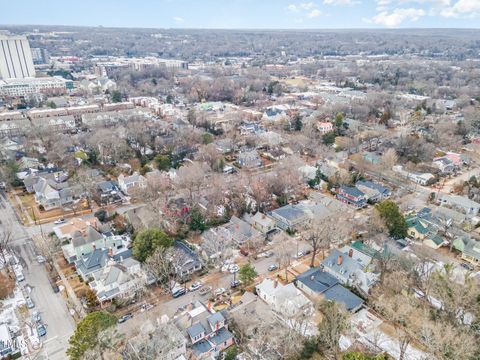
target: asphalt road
<point>52,307</point>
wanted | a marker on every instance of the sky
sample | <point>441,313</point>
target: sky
<point>245,14</point>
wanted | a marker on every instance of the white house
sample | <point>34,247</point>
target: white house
<point>325,127</point>
<point>289,304</point>
<point>128,183</point>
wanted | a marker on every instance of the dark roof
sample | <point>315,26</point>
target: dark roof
<point>372,185</point>
<point>221,336</point>
<point>289,212</point>
<point>201,347</point>
<point>195,330</point>
<point>214,318</point>
<point>317,280</point>
<point>325,284</point>
<point>191,258</point>
<point>107,186</point>
<point>343,296</point>
<point>352,191</point>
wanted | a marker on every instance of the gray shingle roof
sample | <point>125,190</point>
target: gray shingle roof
<point>201,347</point>
<point>222,335</point>
<point>317,280</point>
<point>327,285</point>
<point>214,318</point>
<point>343,296</point>
<point>195,330</point>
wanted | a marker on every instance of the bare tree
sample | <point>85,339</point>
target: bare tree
<point>389,159</point>
<point>190,178</point>
<point>5,241</point>
<point>164,265</point>
<point>218,243</point>
<point>334,324</point>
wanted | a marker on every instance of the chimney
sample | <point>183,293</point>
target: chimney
<point>312,277</point>
<point>110,252</point>
<point>339,260</point>
<point>275,284</point>
<point>94,246</point>
<point>350,252</point>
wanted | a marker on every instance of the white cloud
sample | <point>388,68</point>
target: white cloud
<point>469,8</point>
<point>341,2</point>
<point>398,16</point>
<point>292,8</point>
<point>314,13</point>
<point>308,6</point>
<point>179,20</point>
<point>306,10</point>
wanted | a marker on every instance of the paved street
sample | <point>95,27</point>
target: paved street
<point>52,307</point>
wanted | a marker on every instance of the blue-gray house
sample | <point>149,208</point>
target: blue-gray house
<point>317,282</point>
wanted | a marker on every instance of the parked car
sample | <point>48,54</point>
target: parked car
<point>300,254</point>
<point>30,303</point>
<point>235,283</point>
<point>244,251</point>
<point>205,290</point>
<point>219,291</point>
<point>195,286</point>
<point>125,318</point>
<point>178,292</point>
<point>467,266</point>
<point>41,330</point>
<point>36,316</point>
<point>146,307</point>
<point>234,268</point>
<point>59,221</point>
<point>273,267</point>
<point>19,276</point>
<point>269,254</point>
<point>40,259</point>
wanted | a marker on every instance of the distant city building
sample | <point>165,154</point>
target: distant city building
<point>27,86</point>
<point>108,68</point>
<point>15,58</point>
<point>40,56</point>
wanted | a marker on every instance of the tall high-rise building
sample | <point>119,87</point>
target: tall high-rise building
<point>15,57</point>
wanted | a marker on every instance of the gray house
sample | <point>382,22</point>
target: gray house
<point>462,203</point>
<point>317,282</point>
<point>289,217</point>
<point>190,261</point>
<point>249,159</point>
<point>349,271</point>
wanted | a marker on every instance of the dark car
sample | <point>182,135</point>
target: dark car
<point>125,318</point>
<point>41,330</point>
<point>235,283</point>
<point>179,292</point>
<point>467,266</point>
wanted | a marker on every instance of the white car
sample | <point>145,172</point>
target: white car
<point>219,291</point>
<point>40,259</point>
<point>234,268</point>
<point>195,286</point>
<point>59,221</point>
